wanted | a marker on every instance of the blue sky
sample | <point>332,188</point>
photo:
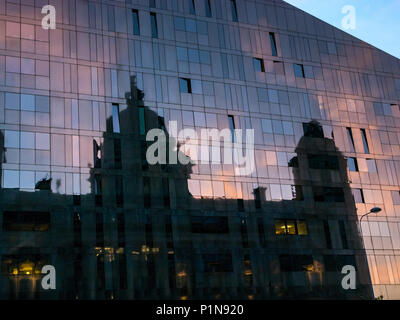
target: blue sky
<point>377,21</point>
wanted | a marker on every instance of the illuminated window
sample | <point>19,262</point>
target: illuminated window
<point>291,227</point>
<point>280,227</point>
<point>302,228</point>
<point>25,264</point>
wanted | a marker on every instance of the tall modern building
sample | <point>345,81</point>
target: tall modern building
<point>78,192</point>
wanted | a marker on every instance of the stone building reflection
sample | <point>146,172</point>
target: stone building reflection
<point>140,233</point>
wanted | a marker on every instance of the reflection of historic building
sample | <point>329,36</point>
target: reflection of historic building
<point>141,234</point>
<point>77,192</point>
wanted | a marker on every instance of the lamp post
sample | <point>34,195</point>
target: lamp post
<point>373,210</point>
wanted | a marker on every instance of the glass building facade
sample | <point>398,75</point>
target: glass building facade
<point>78,192</point>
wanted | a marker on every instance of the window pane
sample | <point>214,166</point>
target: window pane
<point>364,140</point>
<point>358,196</point>
<point>12,101</point>
<point>258,65</point>
<point>27,140</point>
<point>232,127</point>
<point>184,85</point>
<point>27,180</point>
<point>297,192</point>
<point>234,11</point>
<point>273,44</point>
<point>42,104</point>
<point>142,123</point>
<point>10,179</point>
<point>154,31</point>
<point>371,165</point>
<point>135,18</point>
<point>193,55</point>
<point>208,8</point>
<point>302,228</point>
<point>387,109</point>
<point>27,102</point>
<point>291,227</point>
<point>42,141</point>
<point>298,70</point>
<point>280,227</point>
<point>352,164</point>
<point>190,25</point>
<point>192,9</point>
<point>196,86</point>
<point>115,118</point>
<point>205,57</point>
<point>350,138</point>
<point>11,139</point>
<point>182,54</point>
<point>396,197</point>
